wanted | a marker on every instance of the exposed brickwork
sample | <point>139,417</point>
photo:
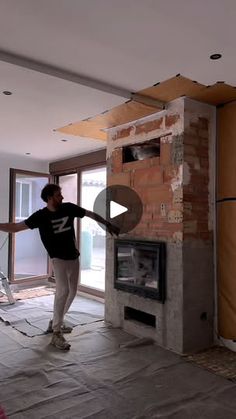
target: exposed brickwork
<point>152,179</point>
<point>171,120</point>
<point>200,123</point>
<point>165,154</point>
<point>191,140</point>
<point>138,129</point>
<point>119,179</point>
<point>136,165</point>
<point>169,208</point>
<point>151,194</point>
<point>169,173</point>
<point>125,132</point>
<point>149,126</point>
<point>116,163</point>
<point>154,161</point>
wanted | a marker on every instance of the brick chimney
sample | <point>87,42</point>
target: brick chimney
<point>177,192</point>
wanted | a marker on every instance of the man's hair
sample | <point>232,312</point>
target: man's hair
<point>49,191</point>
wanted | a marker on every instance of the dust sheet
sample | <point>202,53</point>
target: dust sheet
<point>105,375</point>
<point>31,316</point>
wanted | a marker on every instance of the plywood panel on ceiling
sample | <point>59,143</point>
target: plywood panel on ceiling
<point>93,127</point>
<point>89,129</point>
<point>166,91</point>
<point>178,86</point>
<point>173,88</point>
<point>217,94</point>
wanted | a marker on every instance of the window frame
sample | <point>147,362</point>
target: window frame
<point>12,218</point>
<point>21,217</point>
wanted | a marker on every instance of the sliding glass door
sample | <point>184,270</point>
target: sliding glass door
<point>92,236</point>
<point>81,179</point>
<point>69,188</point>
<point>28,258</point>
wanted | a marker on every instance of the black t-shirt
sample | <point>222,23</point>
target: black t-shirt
<point>56,229</point>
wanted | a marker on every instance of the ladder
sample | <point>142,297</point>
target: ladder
<point>5,288</point>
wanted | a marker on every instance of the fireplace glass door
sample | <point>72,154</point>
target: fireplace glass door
<point>140,268</point>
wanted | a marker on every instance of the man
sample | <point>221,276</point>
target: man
<point>56,227</point>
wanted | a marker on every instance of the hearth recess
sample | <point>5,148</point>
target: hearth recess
<point>140,267</point>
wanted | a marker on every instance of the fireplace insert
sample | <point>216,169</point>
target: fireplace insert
<point>140,267</point>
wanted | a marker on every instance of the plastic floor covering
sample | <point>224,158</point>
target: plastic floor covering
<point>31,316</point>
<point>107,374</point>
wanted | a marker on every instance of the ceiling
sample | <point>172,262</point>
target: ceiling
<point>130,44</point>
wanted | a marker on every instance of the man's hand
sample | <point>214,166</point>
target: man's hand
<point>13,227</point>
<point>112,229</point>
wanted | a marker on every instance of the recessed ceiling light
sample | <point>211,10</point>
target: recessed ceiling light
<point>28,154</point>
<point>7,93</point>
<point>64,140</point>
<point>215,56</point>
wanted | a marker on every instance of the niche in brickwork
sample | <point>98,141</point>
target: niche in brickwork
<point>141,151</point>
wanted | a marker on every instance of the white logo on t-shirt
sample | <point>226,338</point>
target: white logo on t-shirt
<point>59,225</point>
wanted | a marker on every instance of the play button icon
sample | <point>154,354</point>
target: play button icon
<point>116,209</point>
<point>121,206</point>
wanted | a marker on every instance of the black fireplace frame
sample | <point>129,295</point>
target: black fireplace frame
<point>157,294</point>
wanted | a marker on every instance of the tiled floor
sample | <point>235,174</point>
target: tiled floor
<point>219,360</point>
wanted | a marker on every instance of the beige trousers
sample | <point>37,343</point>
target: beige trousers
<point>66,274</point>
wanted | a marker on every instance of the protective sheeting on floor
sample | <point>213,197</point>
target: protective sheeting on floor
<point>31,316</point>
<point>105,376</point>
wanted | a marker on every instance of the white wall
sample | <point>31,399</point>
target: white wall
<point>8,161</point>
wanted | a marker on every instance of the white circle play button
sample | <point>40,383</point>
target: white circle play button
<point>121,206</point>
<point>116,209</point>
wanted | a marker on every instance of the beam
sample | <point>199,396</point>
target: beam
<point>63,74</point>
<point>147,100</point>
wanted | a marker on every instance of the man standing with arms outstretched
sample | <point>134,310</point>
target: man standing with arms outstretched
<point>56,227</point>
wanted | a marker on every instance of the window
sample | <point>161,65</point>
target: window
<point>28,259</point>
<point>23,199</point>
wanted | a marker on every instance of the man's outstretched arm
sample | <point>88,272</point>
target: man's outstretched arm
<point>13,227</point>
<point>110,227</point>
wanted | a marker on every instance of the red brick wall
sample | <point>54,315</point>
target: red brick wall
<point>172,210</point>
<point>152,179</point>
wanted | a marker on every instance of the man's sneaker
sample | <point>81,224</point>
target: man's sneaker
<point>64,328</point>
<point>59,341</point>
